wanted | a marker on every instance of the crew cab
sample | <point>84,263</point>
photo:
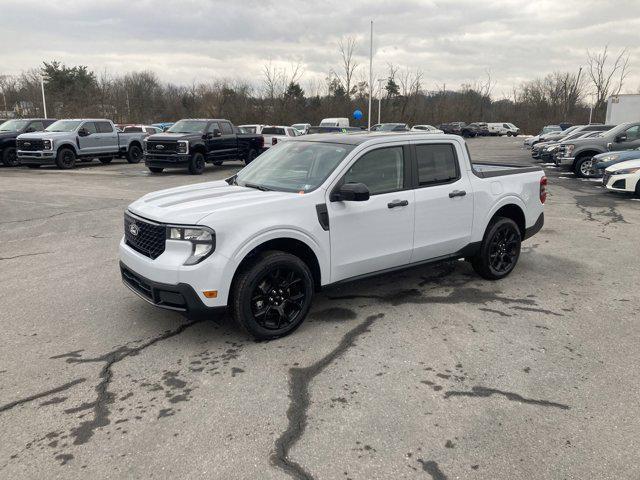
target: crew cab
<point>277,133</point>
<point>9,131</point>
<point>324,209</point>
<point>190,143</point>
<point>64,142</point>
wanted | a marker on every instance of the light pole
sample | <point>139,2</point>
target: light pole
<point>44,100</point>
<point>380,80</point>
<point>370,76</point>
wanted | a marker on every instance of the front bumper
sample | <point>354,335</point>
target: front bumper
<point>561,159</point>
<point>166,161</point>
<point>620,183</point>
<point>42,157</point>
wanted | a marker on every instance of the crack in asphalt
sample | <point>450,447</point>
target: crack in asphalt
<point>432,469</point>
<point>484,392</point>
<point>24,255</point>
<point>40,395</point>
<point>83,433</point>
<point>297,413</point>
<point>57,215</point>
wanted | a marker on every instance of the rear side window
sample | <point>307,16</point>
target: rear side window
<point>105,127</point>
<point>226,128</point>
<point>382,170</point>
<point>437,163</point>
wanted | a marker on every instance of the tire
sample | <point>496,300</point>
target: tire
<point>508,134</point>
<point>196,164</point>
<point>66,159</point>
<point>106,160</point>
<point>499,251</point>
<point>156,169</point>
<point>271,296</point>
<point>637,192</point>
<point>134,155</point>
<point>583,167</point>
<point>217,163</point>
<point>251,156</point>
<point>10,157</point>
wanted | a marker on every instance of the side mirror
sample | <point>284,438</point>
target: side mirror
<point>29,130</point>
<point>217,133</point>
<point>621,138</point>
<point>208,136</point>
<point>351,192</point>
<point>83,132</point>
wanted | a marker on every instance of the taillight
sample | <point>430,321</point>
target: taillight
<point>274,141</point>
<point>543,189</point>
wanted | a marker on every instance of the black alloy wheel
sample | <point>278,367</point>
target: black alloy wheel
<point>134,155</point>
<point>278,298</point>
<point>66,159</point>
<point>499,251</point>
<point>196,164</point>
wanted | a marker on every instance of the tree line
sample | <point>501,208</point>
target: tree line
<point>281,96</point>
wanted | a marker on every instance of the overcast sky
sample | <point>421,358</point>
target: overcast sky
<point>452,42</point>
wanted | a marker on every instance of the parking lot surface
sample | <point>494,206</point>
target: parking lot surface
<point>429,373</point>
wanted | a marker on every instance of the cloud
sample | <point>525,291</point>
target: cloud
<point>197,40</point>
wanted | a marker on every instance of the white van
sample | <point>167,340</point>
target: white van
<point>334,122</point>
<point>508,129</point>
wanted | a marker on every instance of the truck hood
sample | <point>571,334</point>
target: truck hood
<point>191,203</point>
<point>160,137</point>
<point>41,135</point>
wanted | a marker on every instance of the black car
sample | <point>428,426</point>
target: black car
<point>459,128</point>
<point>9,131</point>
<point>480,129</point>
<point>191,143</point>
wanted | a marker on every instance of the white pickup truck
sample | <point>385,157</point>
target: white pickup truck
<point>323,209</point>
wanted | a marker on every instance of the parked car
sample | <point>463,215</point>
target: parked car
<point>501,128</point>
<point>335,122</point>
<point>578,154</point>
<point>576,131</point>
<point>310,213</point>
<point>482,128</point>
<point>547,129</point>
<point>325,129</point>
<point>64,142</point>
<point>459,128</point>
<point>426,129</point>
<point>191,143</point>
<point>303,128</point>
<point>549,150</point>
<point>253,128</point>
<point>605,160</point>
<point>277,133</point>
<point>9,131</point>
<point>390,127</point>
<point>623,177</point>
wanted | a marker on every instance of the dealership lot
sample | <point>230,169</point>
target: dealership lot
<point>428,373</point>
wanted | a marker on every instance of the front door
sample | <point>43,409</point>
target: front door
<point>214,144</point>
<point>89,144</point>
<point>444,202</point>
<point>628,139</point>
<point>376,234</point>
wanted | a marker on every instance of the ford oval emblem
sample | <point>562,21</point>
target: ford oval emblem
<point>26,144</point>
<point>134,230</point>
<point>159,147</point>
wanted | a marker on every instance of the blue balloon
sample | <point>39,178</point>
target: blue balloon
<point>357,114</point>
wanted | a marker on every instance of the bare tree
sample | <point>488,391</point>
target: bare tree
<point>347,47</point>
<point>607,79</point>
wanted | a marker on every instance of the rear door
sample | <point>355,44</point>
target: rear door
<point>89,144</point>
<point>443,200</point>
<point>377,234</point>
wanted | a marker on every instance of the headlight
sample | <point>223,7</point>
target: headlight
<point>202,239</point>
<point>627,171</point>
<point>183,146</point>
<point>568,149</point>
<point>144,144</point>
<point>47,144</point>
<point>609,158</point>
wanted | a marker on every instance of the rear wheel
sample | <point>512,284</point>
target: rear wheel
<point>134,155</point>
<point>499,251</point>
<point>638,189</point>
<point>66,159</point>
<point>156,169</point>
<point>583,167</point>
<point>196,164</point>
<point>10,157</point>
<point>271,296</point>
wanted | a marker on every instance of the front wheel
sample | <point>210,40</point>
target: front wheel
<point>271,296</point>
<point>134,155</point>
<point>10,157</point>
<point>499,251</point>
<point>583,167</point>
<point>66,159</point>
<point>196,164</point>
<point>637,192</point>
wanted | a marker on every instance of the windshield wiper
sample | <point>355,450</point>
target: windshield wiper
<point>259,187</point>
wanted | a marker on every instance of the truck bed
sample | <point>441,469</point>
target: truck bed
<point>488,170</point>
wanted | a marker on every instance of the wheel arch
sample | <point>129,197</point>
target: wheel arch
<point>68,145</point>
<point>510,207</point>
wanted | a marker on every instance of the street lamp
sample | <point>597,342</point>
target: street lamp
<point>44,101</point>
<point>380,80</point>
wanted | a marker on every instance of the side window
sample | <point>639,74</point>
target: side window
<point>104,127</point>
<point>633,133</point>
<point>226,128</point>
<point>437,163</point>
<point>381,170</point>
<point>126,129</point>
<point>90,127</point>
<point>36,126</point>
<point>213,126</point>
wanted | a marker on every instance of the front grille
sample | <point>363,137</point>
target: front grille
<point>149,238</point>
<point>161,146</point>
<point>30,145</point>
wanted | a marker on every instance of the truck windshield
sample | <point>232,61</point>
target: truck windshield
<point>13,125</point>
<point>63,126</point>
<point>188,126</point>
<point>293,166</point>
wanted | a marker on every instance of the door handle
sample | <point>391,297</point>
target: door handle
<point>398,203</point>
<point>457,193</point>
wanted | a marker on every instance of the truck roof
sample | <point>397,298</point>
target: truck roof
<point>206,119</point>
<point>358,138</point>
<point>86,120</point>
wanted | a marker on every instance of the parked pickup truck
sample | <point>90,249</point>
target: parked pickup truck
<point>9,131</point>
<point>321,210</point>
<point>191,143</point>
<point>64,142</point>
<point>579,153</point>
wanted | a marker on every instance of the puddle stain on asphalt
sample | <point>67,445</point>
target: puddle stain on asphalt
<point>432,469</point>
<point>40,395</point>
<point>297,414</point>
<point>484,392</point>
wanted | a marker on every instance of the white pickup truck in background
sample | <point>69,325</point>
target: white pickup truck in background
<point>323,209</point>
